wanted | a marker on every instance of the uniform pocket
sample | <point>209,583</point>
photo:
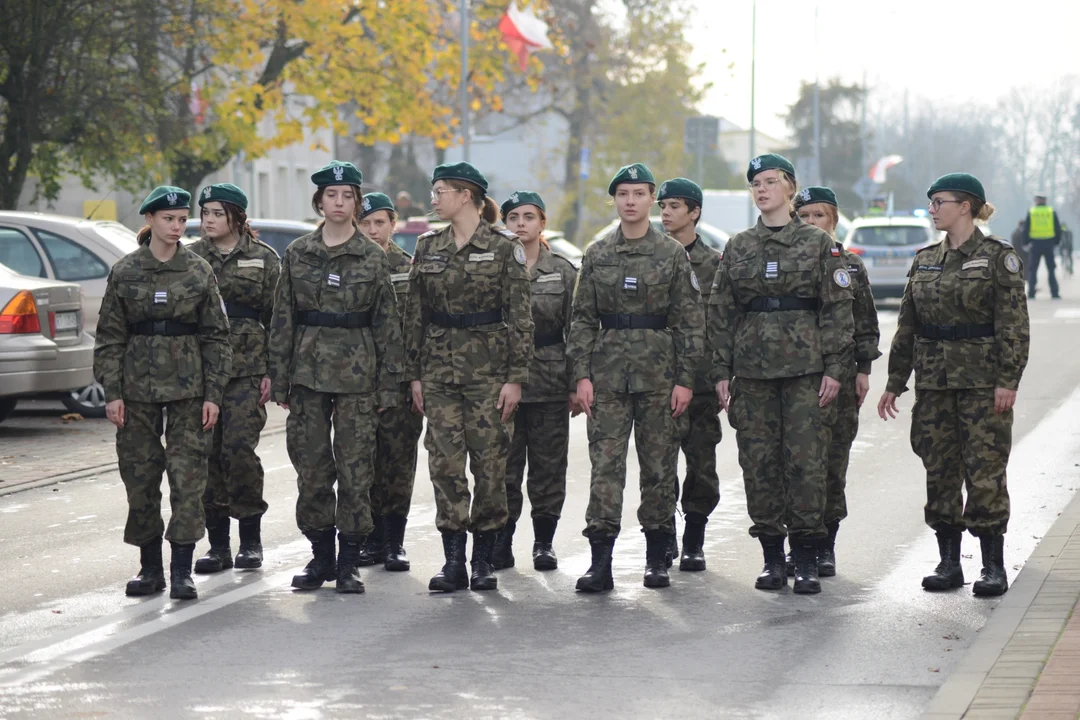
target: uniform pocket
<point>657,290</point>
<point>245,286</point>
<point>359,284</point>
<point>184,299</point>
<point>306,278</point>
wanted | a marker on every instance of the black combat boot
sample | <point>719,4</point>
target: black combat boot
<point>672,550</point>
<point>948,575</point>
<point>806,569</point>
<point>182,587</point>
<point>396,559</point>
<point>483,576</point>
<point>151,577</point>
<point>657,554</point>
<point>789,559</point>
<point>502,554</point>
<point>826,556</point>
<point>373,552</point>
<point>453,575</point>
<point>348,573</point>
<point>598,577</point>
<point>219,556</point>
<point>543,554</point>
<point>993,580</point>
<point>322,567</point>
<point>693,542</point>
<point>250,556</point>
<point>773,576</point>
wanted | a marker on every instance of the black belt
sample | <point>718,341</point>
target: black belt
<point>162,327</point>
<point>627,321</point>
<point>465,320</point>
<point>343,320</point>
<point>777,304</point>
<point>238,310</point>
<point>956,332</point>
<point>542,340</point>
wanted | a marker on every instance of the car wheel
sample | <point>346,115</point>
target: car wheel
<point>88,401</point>
<point>6,406</point>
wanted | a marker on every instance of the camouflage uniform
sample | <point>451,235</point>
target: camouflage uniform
<point>542,423</point>
<point>340,374</point>
<point>156,373</point>
<point>962,442</point>
<point>463,365</point>
<point>247,277</point>
<point>779,317</point>
<point>634,369</point>
<point>399,427</point>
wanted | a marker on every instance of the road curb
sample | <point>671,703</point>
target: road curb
<point>24,485</point>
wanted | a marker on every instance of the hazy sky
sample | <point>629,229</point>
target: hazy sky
<point>950,51</point>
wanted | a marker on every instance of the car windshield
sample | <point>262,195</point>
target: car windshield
<point>890,236</point>
<point>565,248</point>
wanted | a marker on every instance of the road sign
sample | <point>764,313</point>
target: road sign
<point>701,134</point>
<point>865,188</point>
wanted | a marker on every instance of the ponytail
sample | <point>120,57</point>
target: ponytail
<point>490,211</point>
<point>143,238</point>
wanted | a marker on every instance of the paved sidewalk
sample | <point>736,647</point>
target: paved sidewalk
<point>1026,661</point>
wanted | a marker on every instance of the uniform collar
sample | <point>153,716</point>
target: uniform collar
<point>785,236</point>
<point>353,246</point>
<point>481,239</point>
<point>641,246</point>
<point>179,260</point>
<point>972,243</point>
<point>545,262</point>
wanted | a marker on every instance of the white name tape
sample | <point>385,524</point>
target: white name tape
<point>399,277</point>
<point>552,277</point>
<point>481,257</point>
<point>250,262</point>
<point>981,262</point>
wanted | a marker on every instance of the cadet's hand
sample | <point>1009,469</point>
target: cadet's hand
<point>509,397</point>
<point>575,407</point>
<point>417,396</point>
<point>114,410</point>
<point>284,406</point>
<point>264,391</point>
<point>723,393</point>
<point>209,415</point>
<point>862,387</point>
<point>1003,400</point>
<point>887,404</point>
<point>585,396</point>
<point>680,400</point>
<point>829,390</point>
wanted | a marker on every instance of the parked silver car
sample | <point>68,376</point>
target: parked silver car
<point>711,235</point>
<point>887,246</point>
<point>275,233</point>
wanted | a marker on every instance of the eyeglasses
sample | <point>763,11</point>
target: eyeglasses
<point>436,195</point>
<point>936,203</point>
<point>768,184</point>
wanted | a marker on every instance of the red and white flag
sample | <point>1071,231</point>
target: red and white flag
<point>882,166</point>
<point>524,33</point>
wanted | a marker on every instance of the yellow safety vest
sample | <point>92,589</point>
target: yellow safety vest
<point>1041,222</point>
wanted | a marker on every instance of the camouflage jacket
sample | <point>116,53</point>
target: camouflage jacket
<point>553,280</point>
<point>648,276</point>
<point>863,312</point>
<point>247,276</point>
<point>981,282</point>
<point>400,265</point>
<point>350,278</point>
<point>704,260</point>
<point>798,261</point>
<point>162,368</point>
<point>486,274</point>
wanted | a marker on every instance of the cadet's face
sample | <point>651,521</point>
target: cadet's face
<point>525,222</point>
<point>817,215</point>
<point>215,224</point>
<point>339,203</point>
<point>769,190</point>
<point>945,209</point>
<point>632,202</point>
<point>378,226</point>
<point>676,214</point>
<point>447,201</point>
<point>168,225</point>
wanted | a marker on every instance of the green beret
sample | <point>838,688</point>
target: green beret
<point>374,202</point>
<point>680,188</point>
<point>338,173</point>
<point>522,197</point>
<point>815,194</point>
<point>769,161</point>
<point>636,174</point>
<point>958,182</point>
<point>223,192</point>
<point>460,171</point>
<point>165,197</point>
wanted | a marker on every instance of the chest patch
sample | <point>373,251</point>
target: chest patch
<point>161,297</point>
<point>399,277</point>
<point>772,270</point>
<point>981,262</point>
<point>841,278</point>
<point>929,268</point>
<point>333,280</point>
<point>853,268</point>
<point>550,277</point>
<point>250,262</point>
<point>481,257</point>
<point>630,283</point>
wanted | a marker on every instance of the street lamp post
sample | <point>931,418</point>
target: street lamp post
<point>465,79</point>
<point>753,127</point>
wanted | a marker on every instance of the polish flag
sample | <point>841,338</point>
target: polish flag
<point>524,33</point>
<point>197,105</point>
<point>882,166</point>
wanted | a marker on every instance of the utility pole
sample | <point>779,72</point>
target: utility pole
<point>862,130</point>
<point>753,127</point>
<point>465,79</point>
<point>817,106</point>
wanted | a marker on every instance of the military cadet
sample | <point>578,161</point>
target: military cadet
<point>780,324</point>
<point>400,426</point>
<point>162,347</point>
<point>963,327</point>
<point>817,206</point>
<point>680,209</point>
<point>542,424</point>
<point>636,342</point>
<point>247,272</point>
<point>335,357</point>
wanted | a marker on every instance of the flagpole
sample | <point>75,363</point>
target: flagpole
<point>465,79</point>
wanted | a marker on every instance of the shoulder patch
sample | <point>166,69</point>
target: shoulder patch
<point>834,251</point>
<point>1012,263</point>
<point>841,278</point>
<point>694,281</point>
<point>519,253</point>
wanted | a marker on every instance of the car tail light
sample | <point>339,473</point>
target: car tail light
<point>20,315</point>
<point>855,249</point>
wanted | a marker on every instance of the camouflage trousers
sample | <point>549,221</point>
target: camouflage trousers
<point>464,422</point>
<point>541,435</point>
<point>963,445</point>
<point>783,439</point>
<point>142,460</point>
<point>348,459</point>
<point>844,428</point>
<point>395,458</point>
<point>234,486</point>
<point>701,488</point>
<point>656,435</point>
